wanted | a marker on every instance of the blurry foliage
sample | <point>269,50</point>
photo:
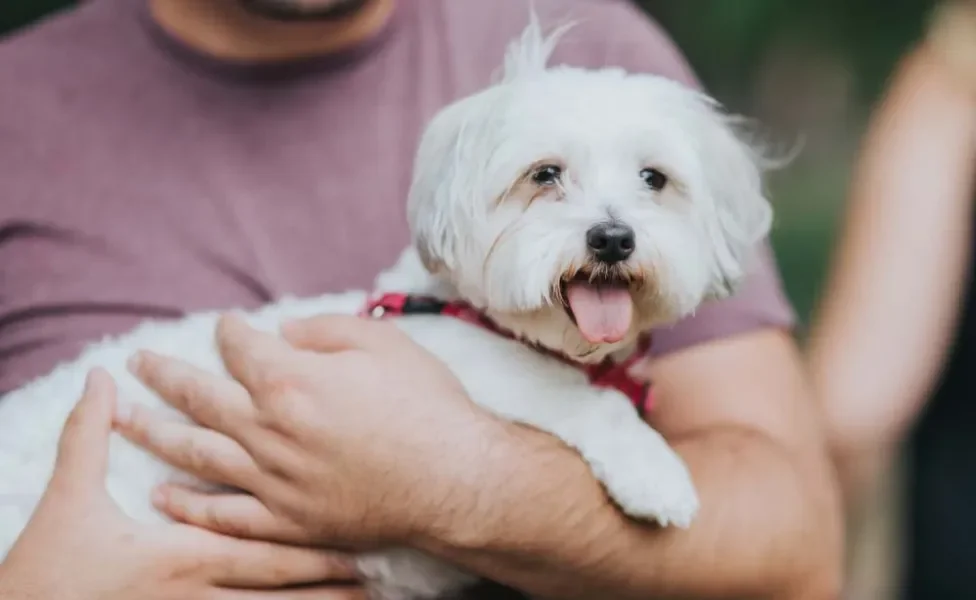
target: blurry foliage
<point>726,39</point>
<point>728,42</point>
<point>17,13</point>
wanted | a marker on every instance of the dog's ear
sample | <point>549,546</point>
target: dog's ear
<point>442,197</point>
<point>741,214</point>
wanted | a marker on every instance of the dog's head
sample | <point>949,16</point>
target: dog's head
<point>583,207</point>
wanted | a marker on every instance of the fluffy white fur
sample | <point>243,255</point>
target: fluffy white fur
<point>485,232</point>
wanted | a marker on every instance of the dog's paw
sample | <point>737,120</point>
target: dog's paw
<point>650,482</point>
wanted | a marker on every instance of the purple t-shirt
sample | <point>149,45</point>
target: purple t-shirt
<point>138,179</point>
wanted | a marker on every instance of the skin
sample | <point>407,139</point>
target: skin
<point>504,501</point>
<point>77,530</point>
<point>875,354</point>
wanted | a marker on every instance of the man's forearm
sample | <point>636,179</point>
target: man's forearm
<point>767,528</point>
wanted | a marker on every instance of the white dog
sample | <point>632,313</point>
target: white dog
<point>569,211</point>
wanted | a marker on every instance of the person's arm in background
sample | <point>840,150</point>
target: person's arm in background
<point>891,303</point>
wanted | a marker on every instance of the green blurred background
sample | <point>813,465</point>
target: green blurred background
<point>803,67</point>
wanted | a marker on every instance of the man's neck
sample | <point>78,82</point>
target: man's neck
<point>226,30</point>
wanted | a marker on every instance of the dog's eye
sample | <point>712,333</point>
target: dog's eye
<point>547,175</point>
<point>654,179</point>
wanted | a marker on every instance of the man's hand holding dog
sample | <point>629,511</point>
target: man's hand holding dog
<point>329,432</point>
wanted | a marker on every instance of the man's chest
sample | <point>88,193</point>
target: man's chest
<point>320,193</point>
<point>306,188</point>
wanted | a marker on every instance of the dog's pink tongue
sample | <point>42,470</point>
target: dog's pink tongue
<point>603,314</point>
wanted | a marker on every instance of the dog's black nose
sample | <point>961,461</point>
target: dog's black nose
<point>610,242</point>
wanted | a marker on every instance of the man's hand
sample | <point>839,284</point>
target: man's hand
<point>79,546</point>
<point>329,431</point>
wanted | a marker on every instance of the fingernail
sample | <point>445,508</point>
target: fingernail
<point>89,382</point>
<point>135,362</point>
<point>159,498</point>
<point>235,318</point>
<point>123,413</point>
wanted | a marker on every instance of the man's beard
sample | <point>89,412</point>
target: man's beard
<point>303,10</point>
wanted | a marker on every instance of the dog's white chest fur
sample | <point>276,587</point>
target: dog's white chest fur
<point>639,470</point>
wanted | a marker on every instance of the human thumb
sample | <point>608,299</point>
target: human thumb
<point>82,461</point>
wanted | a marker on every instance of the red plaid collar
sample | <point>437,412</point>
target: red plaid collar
<point>607,373</point>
